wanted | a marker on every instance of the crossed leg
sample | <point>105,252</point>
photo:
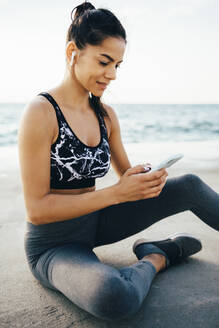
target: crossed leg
<point>98,288</point>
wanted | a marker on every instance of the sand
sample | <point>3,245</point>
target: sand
<point>184,296</point>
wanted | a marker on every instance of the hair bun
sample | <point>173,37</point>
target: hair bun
<point>80,9</point>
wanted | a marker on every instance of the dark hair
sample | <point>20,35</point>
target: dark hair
<point>92,26</point>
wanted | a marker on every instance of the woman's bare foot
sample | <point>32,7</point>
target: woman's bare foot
<point>158,260</point>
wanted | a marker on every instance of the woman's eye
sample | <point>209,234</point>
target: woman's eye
<point>104,64</point>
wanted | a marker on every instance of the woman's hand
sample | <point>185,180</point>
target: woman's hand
<point>136,183</point>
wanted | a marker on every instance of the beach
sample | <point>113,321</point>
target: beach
<point>184,296</point>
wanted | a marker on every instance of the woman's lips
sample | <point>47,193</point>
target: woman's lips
<point>102,85</point>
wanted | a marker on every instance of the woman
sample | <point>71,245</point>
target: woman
<point>67,138</point>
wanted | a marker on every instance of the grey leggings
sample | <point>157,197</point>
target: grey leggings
<point>60,255</point>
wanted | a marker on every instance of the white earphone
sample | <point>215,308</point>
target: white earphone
<point>72,57</point>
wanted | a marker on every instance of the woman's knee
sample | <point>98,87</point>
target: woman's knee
<point>186,183</point>
<point>115,299</point>
<point>192,178</point>
<point>192,182</point>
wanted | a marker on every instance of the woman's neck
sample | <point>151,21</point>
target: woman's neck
<point>72,94</point>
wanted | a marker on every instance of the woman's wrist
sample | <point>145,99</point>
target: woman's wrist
<point>116,196</point>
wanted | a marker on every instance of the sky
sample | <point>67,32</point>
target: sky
<point>171,55</point>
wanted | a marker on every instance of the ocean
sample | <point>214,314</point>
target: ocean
<point>149,132</point>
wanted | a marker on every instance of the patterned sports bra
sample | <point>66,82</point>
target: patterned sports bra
<point>74,164</point>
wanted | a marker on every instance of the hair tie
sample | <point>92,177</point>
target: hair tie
<point>80,9</point>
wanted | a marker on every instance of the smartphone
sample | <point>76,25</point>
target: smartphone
<point>167,162</point>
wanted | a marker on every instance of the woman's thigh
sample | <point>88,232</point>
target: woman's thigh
<point>96,287</point>
<point>122,220</point>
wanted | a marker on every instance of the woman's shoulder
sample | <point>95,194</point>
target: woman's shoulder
<point>36,114</point>
<point>108,108</point>
<point>113,120</point>
<point>38,106</point>
<point>39,110</point>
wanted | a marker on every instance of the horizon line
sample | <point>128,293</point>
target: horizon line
<point>124,103</point>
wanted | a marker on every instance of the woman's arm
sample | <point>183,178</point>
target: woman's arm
<point>57,207</point>
<point>119,158</point>
<point>34,141</point>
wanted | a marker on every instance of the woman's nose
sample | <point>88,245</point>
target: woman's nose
<point>111,74</point>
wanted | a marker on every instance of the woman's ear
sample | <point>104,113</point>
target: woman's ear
<point>70,52</point>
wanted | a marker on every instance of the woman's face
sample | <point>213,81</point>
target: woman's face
<point>99,64</point>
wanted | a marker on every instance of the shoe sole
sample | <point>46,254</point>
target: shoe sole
<point>187,243</point>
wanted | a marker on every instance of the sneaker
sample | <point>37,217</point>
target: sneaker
<point>175,247</point>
